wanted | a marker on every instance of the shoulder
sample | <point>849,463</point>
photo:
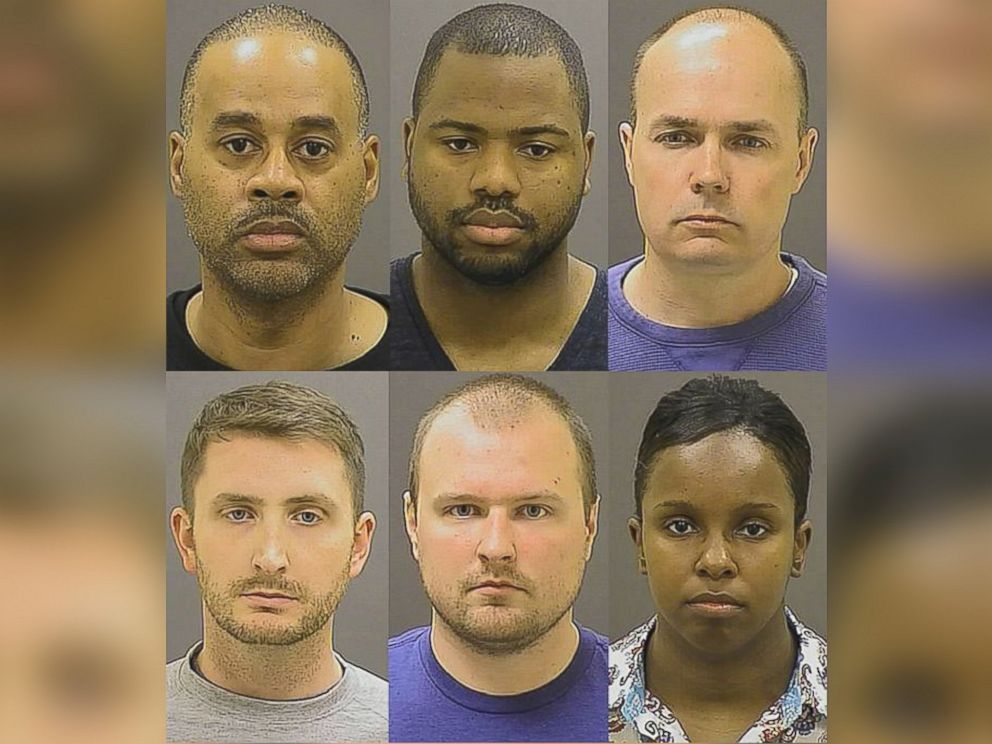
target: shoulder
<point>409,639</point>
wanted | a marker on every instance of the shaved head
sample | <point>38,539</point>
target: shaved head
<point>698,36</point>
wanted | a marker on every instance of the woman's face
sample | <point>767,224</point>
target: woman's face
<point>718,540</point>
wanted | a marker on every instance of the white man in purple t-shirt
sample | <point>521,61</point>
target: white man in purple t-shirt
<point>717,145</point>
<point>501,512</point>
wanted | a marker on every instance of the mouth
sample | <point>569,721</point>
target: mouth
<point>705,220</point>
<point>268,235</point>
<point>495,586</point>
<point>715,603</point>
<point>486,227</point>
<point>268,599</point>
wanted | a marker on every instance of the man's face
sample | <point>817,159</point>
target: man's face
<point>273,539</point>
<point>717,540</point>
<point>715,157</point>
<point>499,528</point>
<point>274,176</point>
<point>496,163</point>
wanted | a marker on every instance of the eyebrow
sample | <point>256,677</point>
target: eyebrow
<point>312,499</point>
<point>749,506</point>
<point>681,122</point>
<point>535,496</point>
<point>529,131</point>
<point>230,119</point>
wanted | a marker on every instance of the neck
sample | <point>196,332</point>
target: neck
<point>915,206</point>
<point>309,332</point>
<point>746,681</point>
<point>515,326</point>
<point>506,674</point>
<point>292,672</point>
<point>682,295</point>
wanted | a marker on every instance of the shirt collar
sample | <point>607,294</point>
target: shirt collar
<point>632,706</point>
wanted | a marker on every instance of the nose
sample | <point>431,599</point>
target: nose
<point>715,560</point>
<point>276,179</point>
<point>495,172</point>
<point>709,173</point>
<point>270,554</point>
<point>497,543</point>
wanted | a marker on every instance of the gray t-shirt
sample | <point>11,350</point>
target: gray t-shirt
<point>354,709</point>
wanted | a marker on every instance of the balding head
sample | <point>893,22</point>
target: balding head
<point>706,41</point>
<point>498,402</point>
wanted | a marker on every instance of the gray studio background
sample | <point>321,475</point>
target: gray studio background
<point>411,394</point>
<point>632,21</point>
<point>360,622</point>
<point>412,22</point>
<point>633,396</point>
<point>361,25</point>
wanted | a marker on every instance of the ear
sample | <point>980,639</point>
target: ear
<point>360,549</point>
<point>626,133</point>
<point>807,146</point>
<point>370,154</point>
<point>409,127</point>
<point>588,145</point>
<point>177,152</point>
<point>592,526</point>
<point>182,534</point>
<point>636,529</point>
<point>804,534</point>
<point>410,519</point>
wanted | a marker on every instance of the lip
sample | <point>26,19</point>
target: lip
<point>493,236</point>
<point>495,586</point>
<point>269,599</point>
<point>489,218</point>
<point>705,220</point>
<point>715,603</point>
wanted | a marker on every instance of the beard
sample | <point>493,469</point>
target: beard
<point>492,268</point>
<point>318,610</point>
<point>498,627</point>
<point>253,279</point>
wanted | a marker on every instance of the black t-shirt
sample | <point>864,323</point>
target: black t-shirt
<point>183,354</point>
<point>415,347</point>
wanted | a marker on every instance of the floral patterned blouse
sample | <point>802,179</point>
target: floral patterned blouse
<point>800,715</point>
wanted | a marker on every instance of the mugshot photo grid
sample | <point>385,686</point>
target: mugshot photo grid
<point>496,371</point>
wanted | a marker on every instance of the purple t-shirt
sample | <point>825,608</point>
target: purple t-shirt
<point>428,704</point>
<point>790,335</point>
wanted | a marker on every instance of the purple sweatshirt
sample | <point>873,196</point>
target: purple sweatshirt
<point>790,335</point>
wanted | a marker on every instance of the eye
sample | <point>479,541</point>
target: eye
<point>535,511</point>
<point>537,150</point>
<point>754,530</point>
<point>674,139</point>
<point>308,517</point>
<point>459,144</point>
<point>680,527</point>
<point>237,515</point>
<point>239,145</point>
<point>462,511</point>
<point>313,150</point>
<point>750,143</point>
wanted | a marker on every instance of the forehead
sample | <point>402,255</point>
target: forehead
<point>718,472</point>
<point>272,468</point>
<point>522,454</point>
<point>501,92</point>
<point>276,76</point>
<point>718,71</point>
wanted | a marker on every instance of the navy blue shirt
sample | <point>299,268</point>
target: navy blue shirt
<point>182,353</point>
<point>428,704</point>
<point>790,335</point>
<point>415,347</point>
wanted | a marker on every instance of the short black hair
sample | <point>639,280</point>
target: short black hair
<point>711,405</point>
<point>505,30</point>
<point>274,18</point>
<point>720,12</point>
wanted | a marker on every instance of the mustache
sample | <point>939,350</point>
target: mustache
<point>268,583</point>
<point>503,572</point>
<point>273,211</point>
<point>493,204</point>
